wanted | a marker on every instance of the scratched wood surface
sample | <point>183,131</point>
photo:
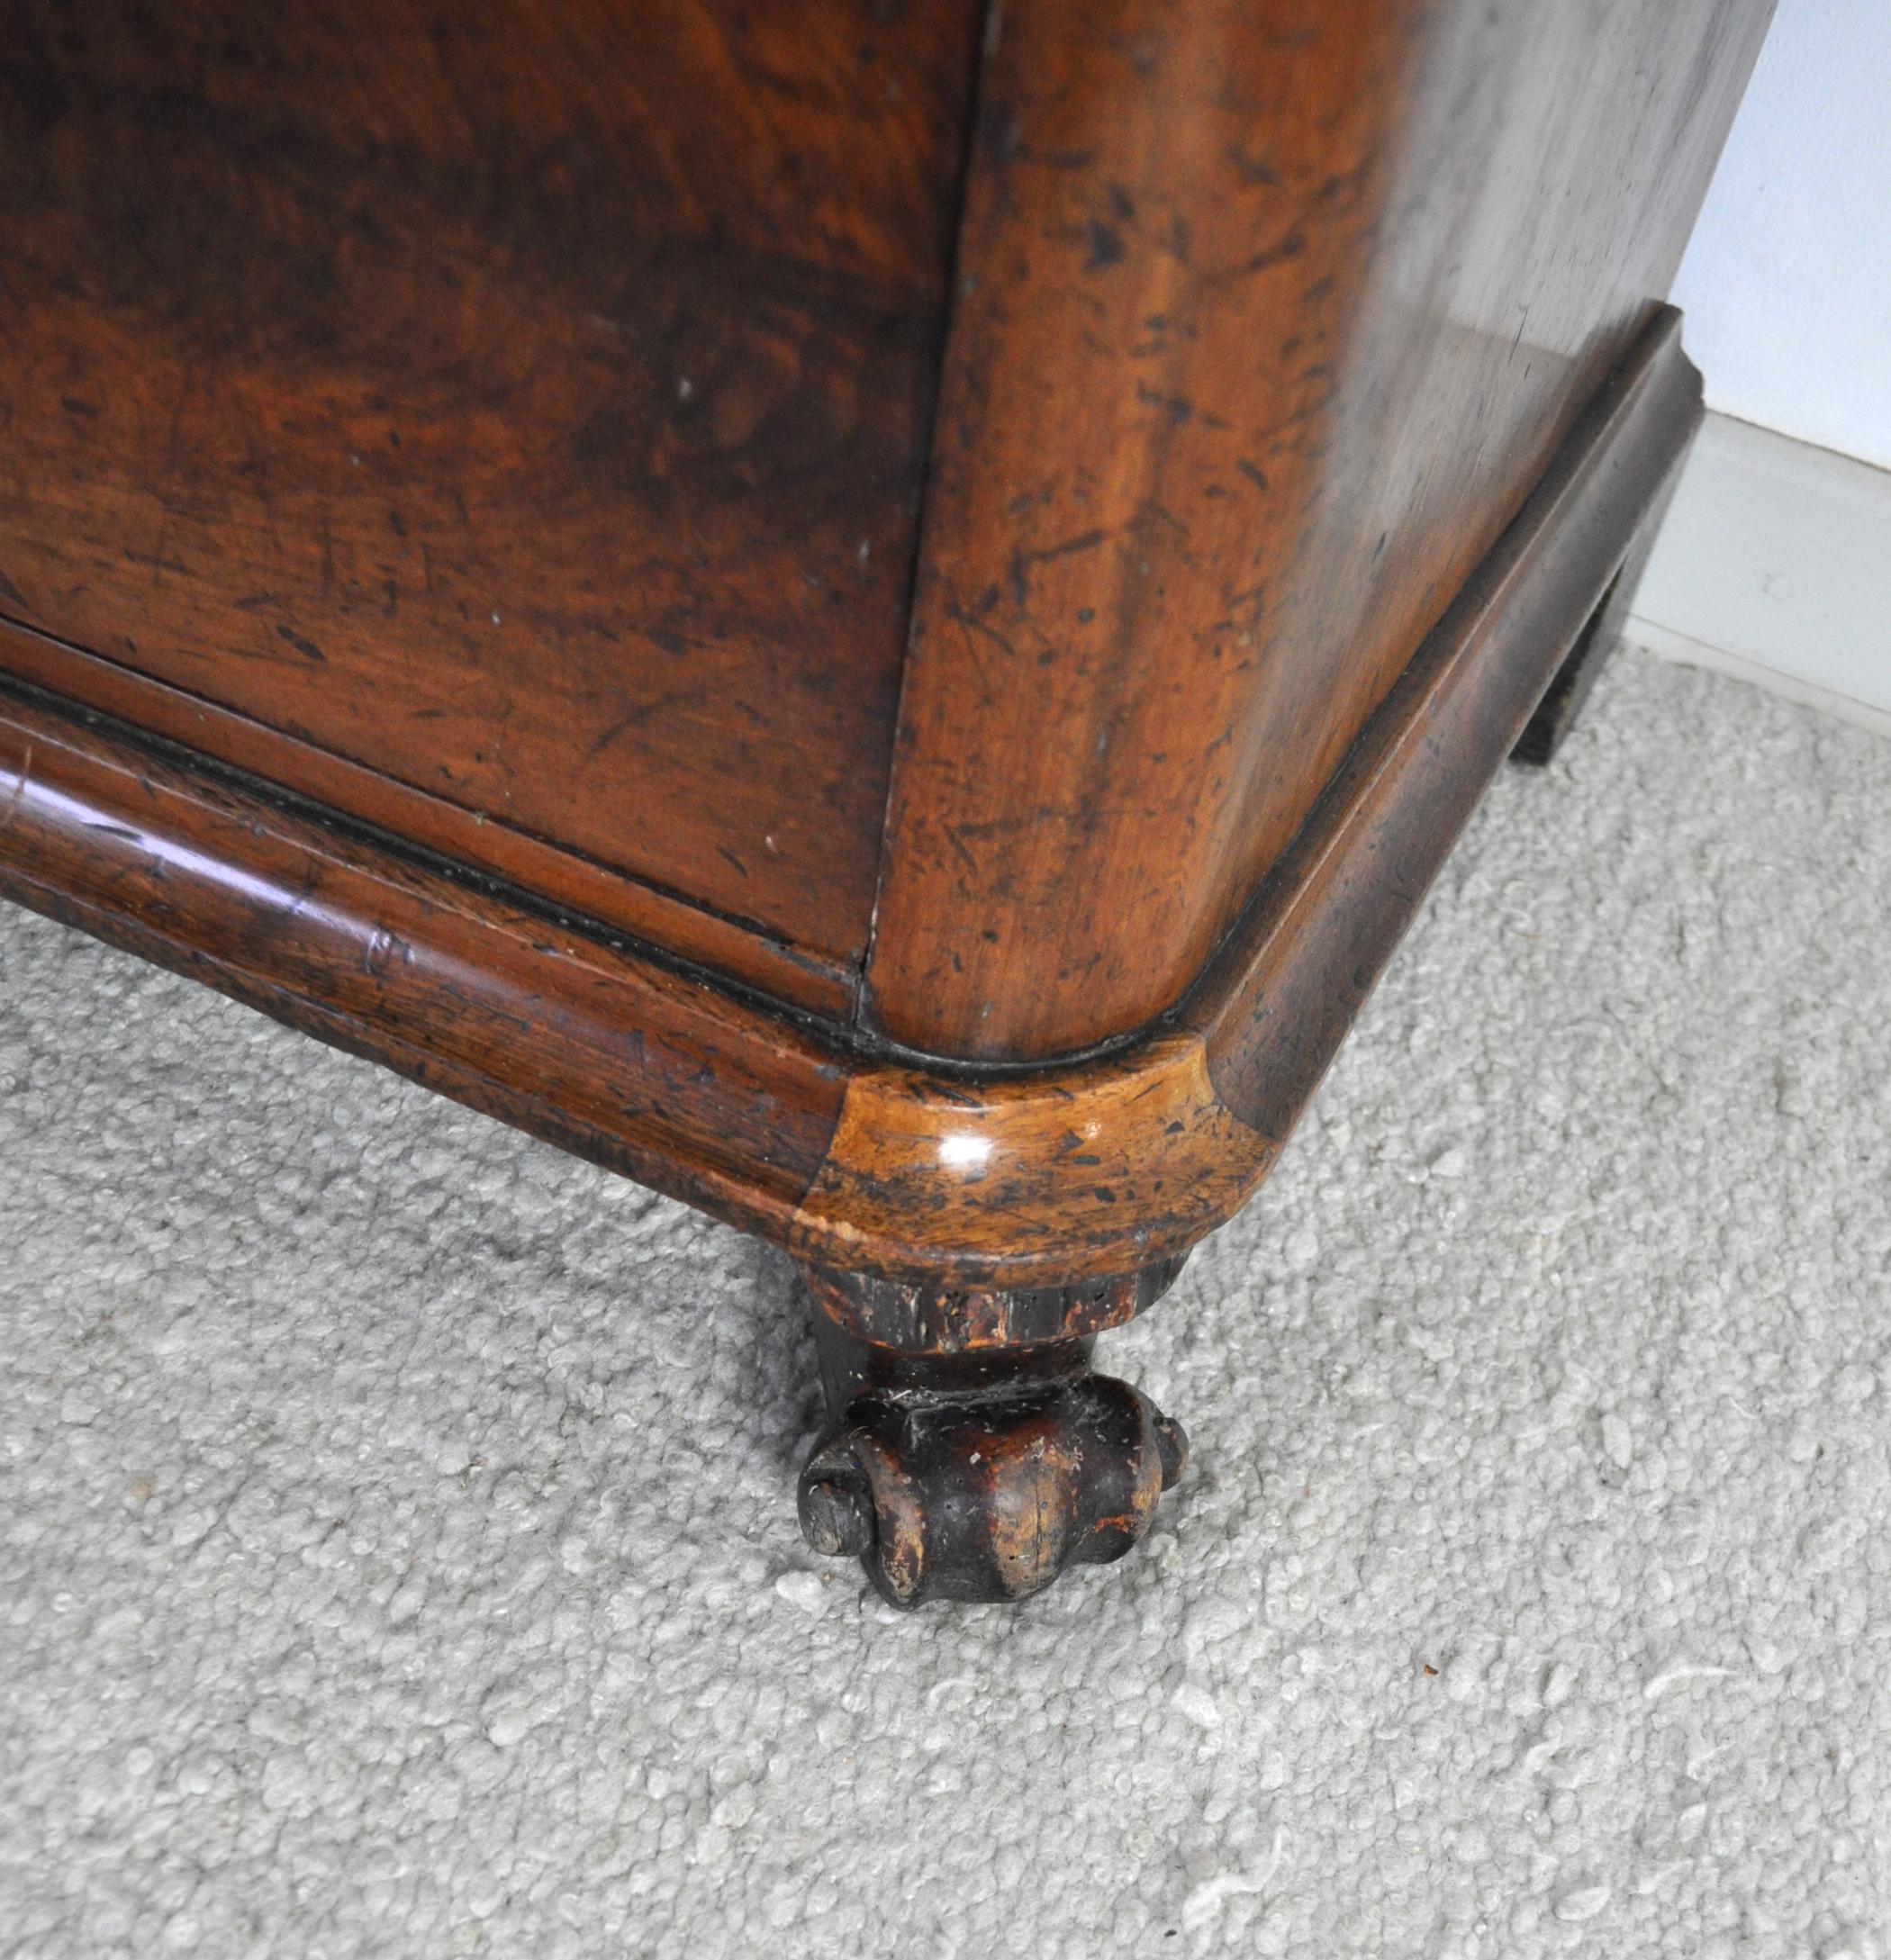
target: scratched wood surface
<point>519,407</point>
<point>943,1179</point>
<point>1267,320</point>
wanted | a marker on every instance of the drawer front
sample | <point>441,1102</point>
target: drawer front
<point>524,404</point>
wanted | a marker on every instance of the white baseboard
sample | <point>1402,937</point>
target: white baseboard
<point>1774,565</point>
<point>1671,646</point>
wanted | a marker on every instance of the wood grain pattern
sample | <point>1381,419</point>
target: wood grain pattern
<point>593,1047</point>
<point>1278,999</point>
<point>524,406</point>
<point>1031,1179</point>
<point>1268,318</point>
<point>460,837</point>
<point>465,591</point>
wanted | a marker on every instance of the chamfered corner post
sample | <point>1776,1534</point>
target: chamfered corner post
<point>972,1452</point>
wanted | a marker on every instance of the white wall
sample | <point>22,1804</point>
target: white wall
<point>1774,562</point>
<point>1787,284</point>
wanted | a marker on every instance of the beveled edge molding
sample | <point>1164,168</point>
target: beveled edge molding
<point>942,1177</point>
<point>604,1052</point>
<point>1277,998</point>
<point>748,953</point>
<point>1030,1180</point>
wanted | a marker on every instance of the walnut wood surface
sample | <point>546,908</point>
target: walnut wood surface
<point>1029,1179</point>
<point>1267,319</point>
<point>502,422</point>
<point>605,1053</point>
<point>785,972</point>
<point>1278,999</point>
<point>465,591</point>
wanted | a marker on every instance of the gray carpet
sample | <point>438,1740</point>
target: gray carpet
<point>396,1540</point>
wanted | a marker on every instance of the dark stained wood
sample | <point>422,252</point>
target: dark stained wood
<point>980,1475</point>
<point>915,1318</point>
<point>786,973</point>
<point>1556,713</point>
<point>463,591</point>
<point>518,408</point>
<point>941,1182</point>
<point>1267,320</point>
<point>595,1048</point>
<point>1280,995</point>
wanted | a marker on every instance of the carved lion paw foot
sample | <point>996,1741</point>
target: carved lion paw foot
<point>988,1493</point>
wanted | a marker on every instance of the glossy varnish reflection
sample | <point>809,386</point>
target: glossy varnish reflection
<point>511,417</point>
<point>852,1157</point>
<point>1268,319</point>
<point>875,612</point>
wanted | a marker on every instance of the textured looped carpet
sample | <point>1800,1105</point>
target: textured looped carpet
<point>397,1553</point>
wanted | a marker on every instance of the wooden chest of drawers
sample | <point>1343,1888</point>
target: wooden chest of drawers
<point>875,614</point>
